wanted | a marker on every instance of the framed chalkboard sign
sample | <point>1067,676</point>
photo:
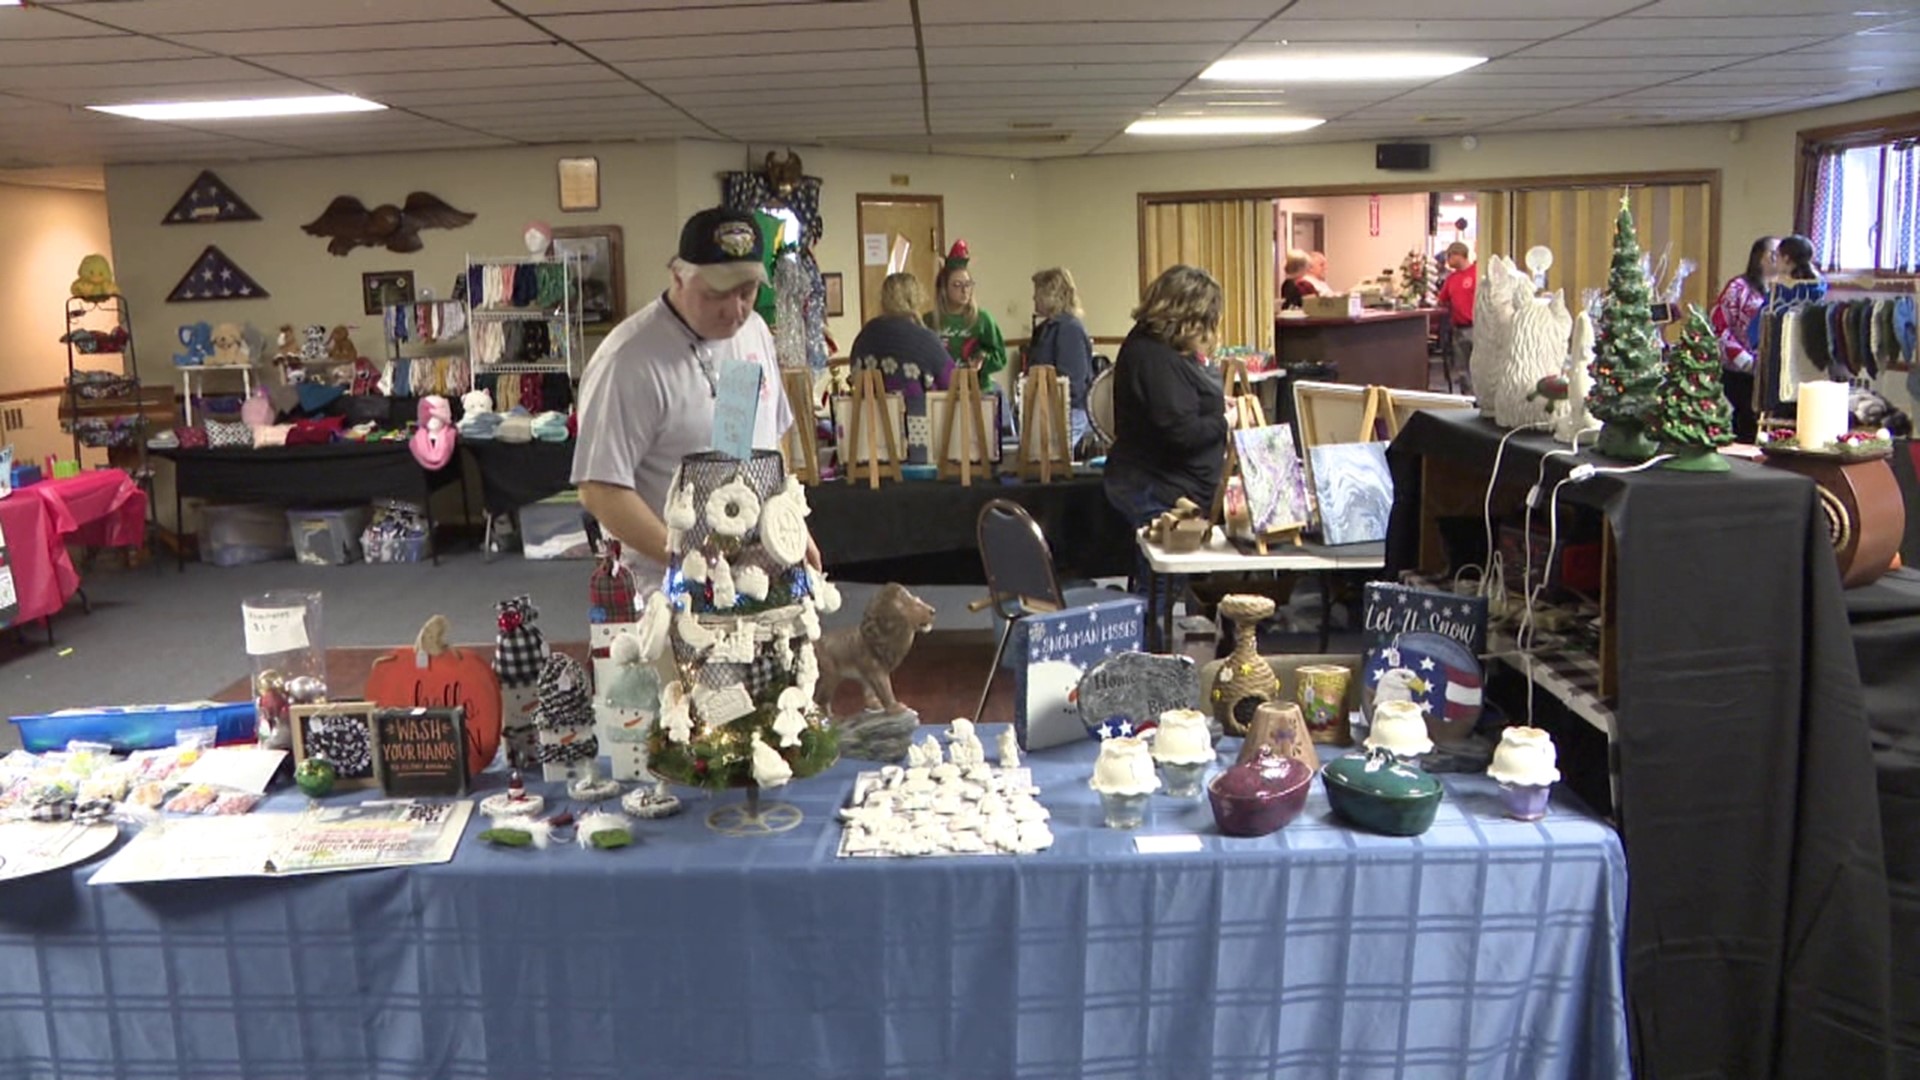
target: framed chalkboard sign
<point>341,732</point>
<point>421,752</point>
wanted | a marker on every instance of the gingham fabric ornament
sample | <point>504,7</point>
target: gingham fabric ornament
<point>519,648</point>
<point>564,717</point>
<point>612,596</point>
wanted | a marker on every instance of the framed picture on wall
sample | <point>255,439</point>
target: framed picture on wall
<point>384,287</point>
<point>579,184</point>
<point>603,287</point>
<point>836,295</point>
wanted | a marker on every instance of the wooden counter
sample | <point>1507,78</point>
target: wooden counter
<point>1385,348</point>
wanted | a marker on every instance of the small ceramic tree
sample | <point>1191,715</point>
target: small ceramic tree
<point>1691,417</point>
<point>1626,364</point>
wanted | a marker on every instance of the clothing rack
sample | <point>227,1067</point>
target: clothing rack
<point>503,310</point>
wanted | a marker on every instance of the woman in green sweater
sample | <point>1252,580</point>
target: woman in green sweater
<point>970,334</point>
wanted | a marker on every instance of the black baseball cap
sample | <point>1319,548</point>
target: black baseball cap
<point>727,247</point>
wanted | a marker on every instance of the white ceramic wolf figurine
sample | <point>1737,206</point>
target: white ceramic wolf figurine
<point>1495,303</point>
<point>1576,421</point>
<point>1539,349</point>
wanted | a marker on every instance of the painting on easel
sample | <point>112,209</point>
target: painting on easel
<point>1276,485</point>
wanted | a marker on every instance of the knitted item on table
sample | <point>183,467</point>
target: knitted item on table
<point>550,427</point>
<point>564,717</point>
<point>433,441</point>
<point>515,427</point>
<point>519,648</point>
<point>270,435</point>
<point>533,392</point>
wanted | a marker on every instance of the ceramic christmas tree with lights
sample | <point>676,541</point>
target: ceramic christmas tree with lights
<point>1626,363</point>
<point>1691,417</point>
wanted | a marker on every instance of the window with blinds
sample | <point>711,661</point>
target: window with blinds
<point>1860,197</point>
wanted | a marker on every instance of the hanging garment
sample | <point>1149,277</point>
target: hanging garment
<point>531,396</point>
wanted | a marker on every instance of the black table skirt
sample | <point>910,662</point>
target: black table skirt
<point>1758,936</point>
<point>515,474</point>
<point>293,475</point>
<point>1885,618</point>
<point>923,531</point>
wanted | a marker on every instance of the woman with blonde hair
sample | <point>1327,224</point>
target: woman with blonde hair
<point>1169,412</point>
<point>1298,270</point>
<point>1060,341</point>
<point>910,358</point>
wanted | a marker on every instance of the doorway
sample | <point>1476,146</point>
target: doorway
<point>904,230</point>
<point>1309,233</point>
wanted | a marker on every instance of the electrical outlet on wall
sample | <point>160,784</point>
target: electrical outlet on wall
<point>13,418</point>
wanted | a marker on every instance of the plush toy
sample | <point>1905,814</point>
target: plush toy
<point>96,279</point>
<point>230,348</point>
<point>198,340</point>
<point>433,441</point>
<point>258,411</point>
<point>313,345</point>
<point>340,345</point>
<point>286,345</point>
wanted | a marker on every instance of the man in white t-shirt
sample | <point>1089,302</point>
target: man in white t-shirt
<point>646,400</point>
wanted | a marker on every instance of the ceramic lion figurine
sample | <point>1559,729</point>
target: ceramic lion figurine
<point>870,652</point>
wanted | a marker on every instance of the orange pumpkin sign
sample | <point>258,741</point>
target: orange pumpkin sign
<point>433,673</point>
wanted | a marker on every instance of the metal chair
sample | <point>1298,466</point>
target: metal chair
<point>1020,575</point>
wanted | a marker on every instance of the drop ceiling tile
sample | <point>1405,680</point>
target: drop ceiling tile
<point>878,92</point>
<point>633,103</point>
<point>1193,55</point>
<point>93,51</point>
<point>261,85</point>
<point>682,21</point>
<point>1035,91</point>
<point>45,23</point>
<point>1518,10</point>
<point>1708,8</point>
<point>175,73</point>
<point>774,83</point>
<point>543,8</point>
<point>554,95</point>
<point>1669,66</point>
<point>941,12</point>
<point>985,70</point>
<point>650,71</point>
<point>263,44</point>
<point>170,17</point>
<point>1102,31</point>
<point>1588,46</point>
<point>1433,34</point>
<point>788,43</point>
<point>377,61</point>
<point>1637,27</point>
<point>374,85</point>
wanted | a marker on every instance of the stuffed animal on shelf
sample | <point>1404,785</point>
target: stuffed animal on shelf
<point>340,345</point>
<point>286,344</point>
<point>96,279</point>
<point>198,341</point>
<point>230,348</point>
<point>433,441</point>
<point>313,346</point>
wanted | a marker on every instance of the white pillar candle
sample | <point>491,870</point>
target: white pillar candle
<point>1822,414</point>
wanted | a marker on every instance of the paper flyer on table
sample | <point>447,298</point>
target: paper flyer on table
<point>322,841</point>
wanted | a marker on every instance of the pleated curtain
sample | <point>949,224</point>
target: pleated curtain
<point>1674,223</point>
<point>1232,239</point>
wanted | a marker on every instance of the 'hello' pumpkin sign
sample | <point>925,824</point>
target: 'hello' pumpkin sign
<point>433,674</point>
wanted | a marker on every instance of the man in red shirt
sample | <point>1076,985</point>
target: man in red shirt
<point>1456,299</point>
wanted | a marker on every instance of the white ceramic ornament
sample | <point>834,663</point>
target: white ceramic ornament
<point>680,513</point>
<point>721,575</point>
<point>770,770</point>
<point>693,567</point>
<point>654,623</point>
<point>925,754</point>
<point>964,747</point>
<point>676,713</point>
<point>698,637</point>
<point>791,719</point>
<point>1009,749</point>
<point>1576,420</point>
<point>806,674</point>
<point>733,509</point>
<point>825,593</point>
<point>809,620</point>
<point>752,583</point>
<point>783,528</point>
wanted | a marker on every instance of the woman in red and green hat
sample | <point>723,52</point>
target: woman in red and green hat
<point>970,334</point>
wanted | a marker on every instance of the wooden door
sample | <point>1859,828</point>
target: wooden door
<point>1309,232</point>
<point>919,220</point>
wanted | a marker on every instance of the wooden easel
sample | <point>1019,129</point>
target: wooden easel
<point>1247,413</point>
<point>870,415</point>
<point>1378,406</point>
<point>964,403</point>
<point>1048,438</point>
<point>801,444</point>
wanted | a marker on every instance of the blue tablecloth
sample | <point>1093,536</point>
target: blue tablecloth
<point>1486,947</point>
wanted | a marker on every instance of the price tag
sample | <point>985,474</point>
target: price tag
<point>274,630</point>
<point>1177,844</point>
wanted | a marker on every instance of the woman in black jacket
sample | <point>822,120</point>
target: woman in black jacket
<point>1169,412</point>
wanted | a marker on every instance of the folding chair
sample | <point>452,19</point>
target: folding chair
<point>1020,576</point>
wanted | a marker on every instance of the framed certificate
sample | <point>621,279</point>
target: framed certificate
<point>579,184</point>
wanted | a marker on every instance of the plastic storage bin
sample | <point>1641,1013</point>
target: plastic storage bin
<point>241,533</point>
<point>323,537</point>
<point>555,528</point>
<point>134,727</point>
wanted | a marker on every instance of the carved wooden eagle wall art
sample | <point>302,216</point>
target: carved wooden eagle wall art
<point>397,228</point>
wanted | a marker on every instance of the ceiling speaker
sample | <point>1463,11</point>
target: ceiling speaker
<point>1402,156</point>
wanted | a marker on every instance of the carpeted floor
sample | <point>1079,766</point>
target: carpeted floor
<point>940,678</point>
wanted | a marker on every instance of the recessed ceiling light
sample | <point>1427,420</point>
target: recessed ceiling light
<point>1338,67</point>
<point>242,108</point>
<point>1223,125</point>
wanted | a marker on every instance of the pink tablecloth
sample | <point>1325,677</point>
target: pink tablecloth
<point>43,575</point>
<point>104,508</point>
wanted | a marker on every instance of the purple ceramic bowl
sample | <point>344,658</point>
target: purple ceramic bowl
<point>1251,800</point>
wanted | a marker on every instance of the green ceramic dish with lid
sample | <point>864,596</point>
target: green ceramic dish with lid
<point>1379,793</point>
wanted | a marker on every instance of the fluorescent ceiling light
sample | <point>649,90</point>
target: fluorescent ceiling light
<point>1223,125</point>
<point>241,108</point>
<point>1336,67</point>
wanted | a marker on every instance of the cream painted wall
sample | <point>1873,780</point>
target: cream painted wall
<point>1353,253</point>
<point>989,203</point>
<point>49,231</point>
<point>506,188</point>
<point>1088,206</point>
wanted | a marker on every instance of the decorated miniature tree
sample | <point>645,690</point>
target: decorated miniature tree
<point>1626,363</point>
<point>1691,417</point>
